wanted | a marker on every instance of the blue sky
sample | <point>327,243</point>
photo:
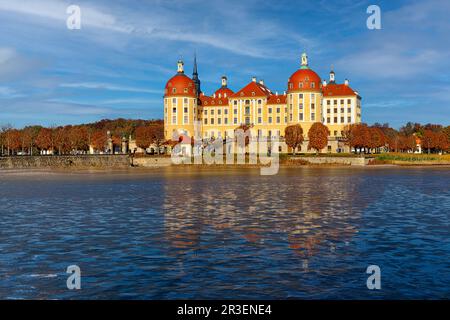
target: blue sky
<point>118,63</point>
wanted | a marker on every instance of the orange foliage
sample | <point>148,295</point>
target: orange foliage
<point>318,136</point>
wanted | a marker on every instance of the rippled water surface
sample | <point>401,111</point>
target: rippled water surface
<point>183,233</point>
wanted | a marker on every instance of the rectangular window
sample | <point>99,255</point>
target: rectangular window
<point>206,121</point>
<point>235,120</point>
<point>270,110</point>
<point>259,110</point>
<point>212,111</point>
<point>313,117</point>
<point>219,112</point>
<point>174,101</point>
<point>278,119</point>
<point>225,111</point>
<point>219,121</point>
<point>335,110</point>
<point>174,119</point>
<point>342,119</point>
<point>300,117</point>
<point>328,120</point>
<point>349,119</point>
<point>235,111</point>
<point>259,120</point>
<point>300,96</point>
<point>342,101</point>
<point>300,106</point>
<point>174,110</point>
<point>278,110</point>
<point>186,119</point>
<point>185,110</point>
<point>335,119</point>
<point>225,120</point>
<point>205,112</point>
<point>342,110</point>
<point>212,120</point>
<point>328,102</point>
<point>349,101</point>
<point>335,133</point>
<point>313,106</point>
<point>349,110</point>
<point>270,119</point>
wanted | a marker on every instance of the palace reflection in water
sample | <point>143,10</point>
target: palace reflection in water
<point>223,233</point>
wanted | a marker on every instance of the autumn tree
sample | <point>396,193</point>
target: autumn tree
<point>357,136</point>
<point>144,137</point>
<point>318,137</point>
<point>377,139</point>
<point>13,140</point>
<point>428,140</point>
<point>158,134</point>
<point>44,139</point>
<point>4,129</point>
<point>406,143</point>
<point>442,142</point>
<point>294,136</point>
<point>61,139</point>
<point>98,140</point>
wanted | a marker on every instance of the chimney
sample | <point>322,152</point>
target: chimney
<point>284,93</point>
<point>220,95</point>
<point>346,82</point>
<point>324,83</point>
<point>253,79</point>
<point>261,82</point>
<point>214,95</point>
<point>224,81</point>
<point>224,95</point>
<point>276,93</point>
<point>332,76</point>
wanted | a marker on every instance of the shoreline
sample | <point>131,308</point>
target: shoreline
<point>105,163</point>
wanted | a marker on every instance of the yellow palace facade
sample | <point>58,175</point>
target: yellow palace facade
<point>306,100</point>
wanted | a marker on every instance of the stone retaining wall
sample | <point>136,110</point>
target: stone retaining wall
<point>79,161</point>
<point>353,161</point>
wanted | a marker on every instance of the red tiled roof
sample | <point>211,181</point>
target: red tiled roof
<point>180,85</point>
<point>253,89</point>
<point>213,102</point>
<point>333,89</point>
<point>224,91</point>
<point>303,79</point>
<point>277,99</point>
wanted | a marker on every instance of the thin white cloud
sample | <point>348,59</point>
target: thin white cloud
<point>165,24</point>
<point>107,86</point>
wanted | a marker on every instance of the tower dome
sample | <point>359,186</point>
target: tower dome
<point>180,84</point>
<point>304,78</point>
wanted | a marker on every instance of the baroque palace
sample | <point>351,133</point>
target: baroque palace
<point>307,99</point>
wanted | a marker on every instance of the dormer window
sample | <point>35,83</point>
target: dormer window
<point>185,90</point>
<point>313,85</point>
<point>174,90</point>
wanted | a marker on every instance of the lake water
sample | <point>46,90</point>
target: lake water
<point>185,233</point>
